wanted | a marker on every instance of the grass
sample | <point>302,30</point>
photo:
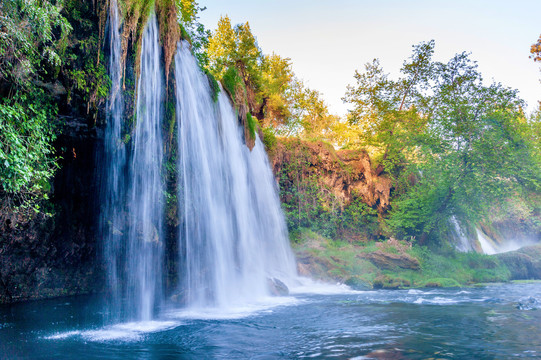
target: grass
<point>343,261</point>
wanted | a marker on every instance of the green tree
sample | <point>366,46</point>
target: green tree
<point>473,155</point>
<point>384,113</point>
<point>33,42</point>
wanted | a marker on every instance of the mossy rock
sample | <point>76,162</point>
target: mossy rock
<point>390,283</point>
<point>523,264</point>
<point>441,282</point>
<point>357,283</point>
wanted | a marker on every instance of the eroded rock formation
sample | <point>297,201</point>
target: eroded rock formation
<point>345,173</point>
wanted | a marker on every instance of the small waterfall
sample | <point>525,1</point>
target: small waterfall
<point>144,252</point>
<point>487,245</point>
<point>462,243</point>
<point>234,235</point>
<point>114,165</point>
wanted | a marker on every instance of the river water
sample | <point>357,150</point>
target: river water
<point>493,322</point>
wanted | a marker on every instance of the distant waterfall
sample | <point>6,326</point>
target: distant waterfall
<point>114,165</point>
<point>144,253</point>
<point>133,194</point>
<point>234,235</point>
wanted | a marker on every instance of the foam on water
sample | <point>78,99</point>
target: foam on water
<point>264,305</point>
<point>125,332</point>
<point>304,285</point>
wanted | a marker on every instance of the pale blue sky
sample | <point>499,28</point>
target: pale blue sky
<point>327,40</point>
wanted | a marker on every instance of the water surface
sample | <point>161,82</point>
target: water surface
<point>495,322</point>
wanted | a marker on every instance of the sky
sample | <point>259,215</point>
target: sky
<point>327,40</point>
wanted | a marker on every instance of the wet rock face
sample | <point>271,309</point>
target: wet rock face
<point>347,173</point>
<point>48,256</point>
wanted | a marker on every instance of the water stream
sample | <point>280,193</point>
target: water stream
<point>133,192</point>
<point>114,166</point>
<point>234,237</point>
<point>493,322</point>
<point>145,245</point>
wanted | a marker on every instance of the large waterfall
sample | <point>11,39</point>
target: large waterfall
<point>234,237</point>
<point>233,243</point>
<point>133,189</point>
<point>114,163</point>
<point>145,199</point>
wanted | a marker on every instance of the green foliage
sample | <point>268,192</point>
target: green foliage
<point>308,203</point>
<point>269,139</point>
<point>214,85</point>
<point>233,46</point>
<point>452,145</point>
<point>232,81</point>
<point>252,124</point>
<point>33,38</point>
<point>193,30</point>
<point>26,154</point>
<point>84,72</point>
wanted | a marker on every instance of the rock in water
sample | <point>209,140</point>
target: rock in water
<point>529,303</point>
<point>277,287</point>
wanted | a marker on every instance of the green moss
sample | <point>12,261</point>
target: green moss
<point>252,123</point>
<point>232,81</point>
<point>441,282</point>
<point>214,85</point>
<point>346,262</point>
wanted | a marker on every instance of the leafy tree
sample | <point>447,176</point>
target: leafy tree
<point>473,153</point>
<point>384,113</point>
<point>310,112</point>
<point>276,79</point>
<point>275,96</point>
<point>188,11</point>
<point>233,47</point>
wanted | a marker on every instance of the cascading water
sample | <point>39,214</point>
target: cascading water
<point>234,235</point>
<point>462,243</point>
<point>133,243</point>
<point>114,164</point>
<point>144,252</point>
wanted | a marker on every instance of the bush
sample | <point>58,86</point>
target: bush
<point>26,153</point>
<point>269,139</point>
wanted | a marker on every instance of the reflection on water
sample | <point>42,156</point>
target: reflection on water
<point>500,321</point>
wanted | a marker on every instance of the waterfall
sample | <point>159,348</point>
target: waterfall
<point>114,164</point>
<point>234,237</point>
<point>133,191</point>
<point>462,243</point>
<point>144,253</point>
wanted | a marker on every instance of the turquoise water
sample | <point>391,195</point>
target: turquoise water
<point>494,322</point>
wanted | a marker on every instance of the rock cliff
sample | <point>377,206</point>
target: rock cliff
<point>345,173</point>
<point>55,252</point>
